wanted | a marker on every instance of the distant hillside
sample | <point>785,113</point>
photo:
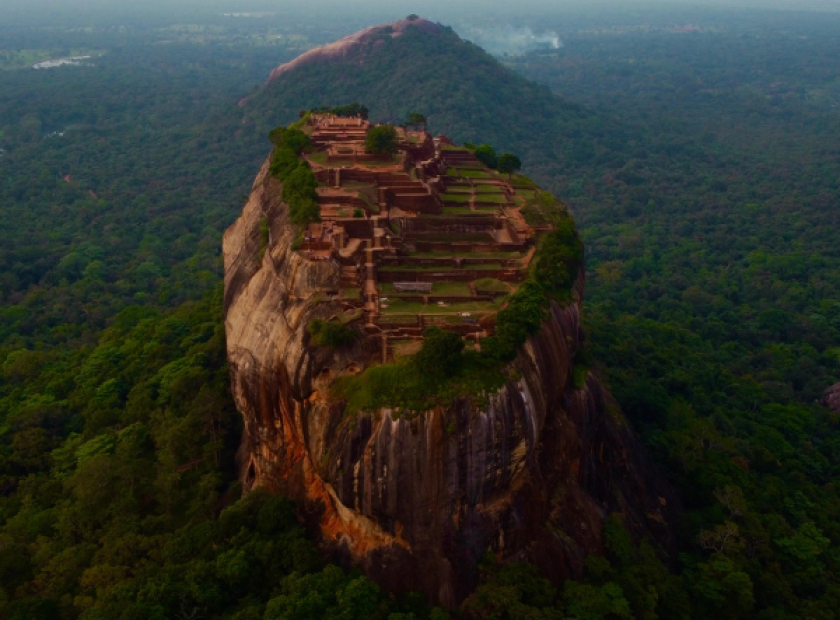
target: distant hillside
<point>466,94</point>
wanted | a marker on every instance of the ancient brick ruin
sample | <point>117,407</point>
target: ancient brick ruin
<point>427,237</point>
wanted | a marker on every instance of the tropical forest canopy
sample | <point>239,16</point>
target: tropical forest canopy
<point>701,162</point>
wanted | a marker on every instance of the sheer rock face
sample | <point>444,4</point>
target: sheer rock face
<point>416,502</point>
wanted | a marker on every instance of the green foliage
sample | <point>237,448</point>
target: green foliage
<point>557,262</point>
<point>284,161</point>
<point>332,334</point>
<point>522,316</point>
<point>486,154</point>
<point>440,353</point>
<point>381,140</point>
<point>721,589</point>
<point>588,602</point>
<point>415,71</point>
<point>299,181</point>
<point>508,164</point>
<point>559,258</point>
<point>358,213</point>
<point>332,593</point>
<point>543,208</point>
<point>350,110</point>
<point>511,591</point>
<point>114,503</point>
<point>407,390</point>
<point>579,374</point>
<point>289,138</point>
<point>649,588</point>
<point>299,193</point>
<point>138,454</point>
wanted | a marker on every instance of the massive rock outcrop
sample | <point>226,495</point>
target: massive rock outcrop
<point>417,501</point>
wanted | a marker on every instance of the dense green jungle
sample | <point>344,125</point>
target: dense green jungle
<point>700,154</point>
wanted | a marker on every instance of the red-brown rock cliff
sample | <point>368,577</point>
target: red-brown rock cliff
<point>416,502</point>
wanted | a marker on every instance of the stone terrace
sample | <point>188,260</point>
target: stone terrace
<point>428,237</point>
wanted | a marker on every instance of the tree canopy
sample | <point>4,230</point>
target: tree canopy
<point>508,163</point>
<point>381,140</point>
<point>486,154</point>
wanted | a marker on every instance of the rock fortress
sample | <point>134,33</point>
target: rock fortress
<point>426,237</point>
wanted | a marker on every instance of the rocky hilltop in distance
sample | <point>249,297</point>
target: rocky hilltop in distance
<point>410,368</point>
<point>352,47</point>
<point>415,64</point>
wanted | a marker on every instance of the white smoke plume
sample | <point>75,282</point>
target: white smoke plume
<point>501,40</point>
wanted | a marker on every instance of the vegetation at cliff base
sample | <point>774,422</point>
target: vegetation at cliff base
<point>118,471</point>
<point>629,582</point>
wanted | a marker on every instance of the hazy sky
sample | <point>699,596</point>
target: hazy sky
<point>360,13</point>
<point>417,6</point>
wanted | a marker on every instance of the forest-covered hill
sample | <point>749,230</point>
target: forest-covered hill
<point>713,302</point>
<point>463,91</point>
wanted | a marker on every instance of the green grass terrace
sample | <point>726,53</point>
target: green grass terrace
<point>445,254</point>
<point>424,268</point>
<point>398,306</point>
<point>499,198</point>
<point>469,173</point>
<point>479,237</point>
<point>452,197</point>
<point>455,289</point>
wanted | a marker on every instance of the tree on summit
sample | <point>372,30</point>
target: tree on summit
<point>352,110</point>
<point>381,140</point>
<point>508,164</point>
<point>293,139</point>
<point>486,154</point>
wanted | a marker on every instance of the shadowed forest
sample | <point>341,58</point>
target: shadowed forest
<point>702,164</point>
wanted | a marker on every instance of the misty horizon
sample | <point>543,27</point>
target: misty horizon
<point>431,9</point>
